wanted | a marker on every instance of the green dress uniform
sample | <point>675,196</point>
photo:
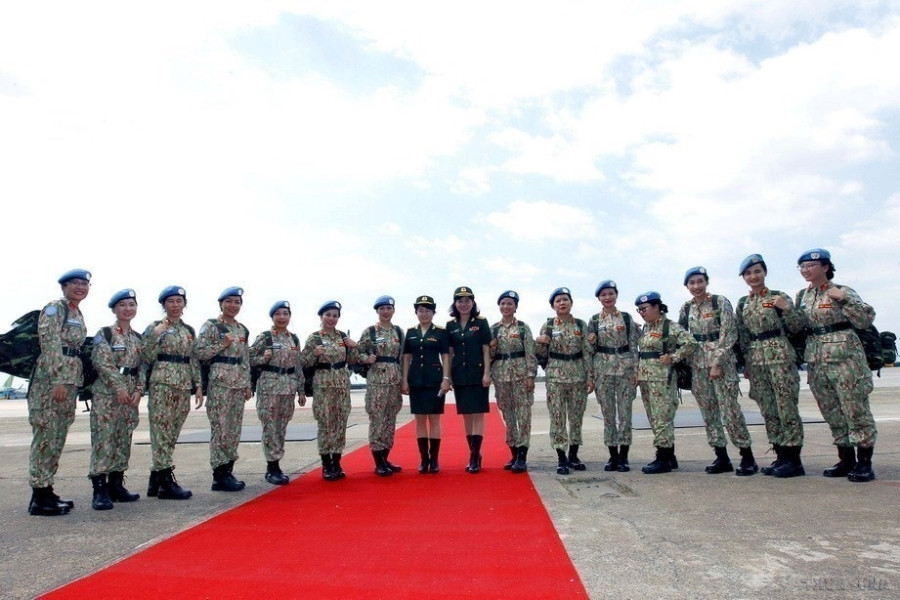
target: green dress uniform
<point>467,366</point>
<point>425,370</point>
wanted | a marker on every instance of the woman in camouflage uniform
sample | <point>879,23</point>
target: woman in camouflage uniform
<point>839,375</point>
<point>330,351</point>
<point>663,343</point>
<point>276,353</point>
<point>166,347</point>
<point>117,393</point>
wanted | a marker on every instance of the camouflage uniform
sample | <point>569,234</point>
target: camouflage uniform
<point>175,374</point>
<point>61,338</point>
<point>512,362</point>
<point>716,334</point>
<point>615,366</point>
<point>229,382</point>
<point>119,369</point>
<point>331,388</point>
<point>383,399</point>
<point>839,376</point>
<point>659,390</point>
<point>278,385</point>
<point>568,371</point>
<point>771,365</point>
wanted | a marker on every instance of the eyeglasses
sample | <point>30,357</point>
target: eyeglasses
<point>807,266</point>
<point>642,309</point>
<point>79,283</point>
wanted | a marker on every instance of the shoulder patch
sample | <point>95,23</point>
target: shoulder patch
<point>98,339</point>
<point>50,310</point>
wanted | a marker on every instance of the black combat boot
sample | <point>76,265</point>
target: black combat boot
<point>673,461</point>
<point>391,466</point>
<point>381,469</point>
<point>117,490</point>
<point>573,458</point>
<point>153,484</point>
<point>337,469</point>
<point>274,475</point>
<point>662,463</point>
<point>169,488</point>
<point>748,464</point>
<point>562,466</point>
<point>434,448</point>
<point>43,504</point>
<point>475,459</point>
<point>67,503</point>
<point>775,463</point>
<point>722,464</point>
<point>224,481</point>
<point>613,463</point>
<point>521,464</point>
<point>514,452</point>
<point>327,467</point>
<point>863,471</point>
<point>845,465</point>
<point>623,466</point>
<point>234,480</point>
<point>791,465</point>
<point>423,454</point>
<point>101,500</point>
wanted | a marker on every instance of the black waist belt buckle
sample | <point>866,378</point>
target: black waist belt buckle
<point>765,335</point>
<point>830,328</point>
<point>510,355</point>
<point>608,350</point>
<point>332,366</point>
<point>73,352</point>
<point>386,359</point>
<point>650,354</point>
<point>227,360</point>
<point>279,370</point>
<point>173,358</point>
<point>558,356</point>
<point>706,337</point>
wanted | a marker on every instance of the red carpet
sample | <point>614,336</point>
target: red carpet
<point>450,535</point>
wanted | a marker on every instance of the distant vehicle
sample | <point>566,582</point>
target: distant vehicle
<point>11,393</point>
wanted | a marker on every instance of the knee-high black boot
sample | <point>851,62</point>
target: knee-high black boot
<point>434,449</point>
<point>423,454</point>
<point>475,459</point>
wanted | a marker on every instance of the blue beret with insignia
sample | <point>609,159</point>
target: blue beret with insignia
<point>74,274</point>
<point>695,271</point>
<point>753,259</point>
<point>647,297</point>
<point>331,304</point>
<point>231,291</point>
<point>609,284</point>
<point>279,304</point>
<point>560,292</point>
<point>514,296</point>
<point>172,290</point>
<point>815,254</point>
<point>126,294</point>
<point>426,301</point>
<point>383,301</point>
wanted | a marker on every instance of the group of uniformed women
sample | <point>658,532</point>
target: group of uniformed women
<point>609,354</point>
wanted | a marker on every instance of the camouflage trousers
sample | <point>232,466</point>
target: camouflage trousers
<point>718,402</point>
<point>776,389</point>
<point>331,408</point>
<point>167,409</point>
<point>225,411</point>
<point>660,400</point>
<point>50,421</point>
<point>843,398</point>
<point>383,403</point>
<point>566,402</point>
<point>616,394</point>
<point>515,406</point>
<point>112,425</point>
<point>275,412</point>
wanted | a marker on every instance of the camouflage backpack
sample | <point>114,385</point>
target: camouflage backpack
<point>20,346</point>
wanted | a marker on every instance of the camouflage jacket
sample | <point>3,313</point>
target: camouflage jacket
<point>568,340</point>
<point>512,339</point>
<point>57,332</point>
<point>705,322</point>
<point>176,341</point>
<point>229,366</point>
<point>613,334</point>
<point>336,352</point>
<point>388,350</point>
<point>285,356</point>
<point>117,362</point>
<point>757,315</point>
<point>822,311</point>
<point>681,345</point>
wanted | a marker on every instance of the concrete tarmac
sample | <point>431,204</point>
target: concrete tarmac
<point>680,535</point>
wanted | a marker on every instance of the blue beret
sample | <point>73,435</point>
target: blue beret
<point>509,294</point>
<point>125,294</point>
<point>560,292</point>
<point>815,254</point>
<point>753,259</point>
<point>695,271</point>
<point>232,291</point>
<point>647,297</point>
<point>74,274</point>
<point>608,284</point>
<point>383,301</point>
<point>172,290</point>
<point>328,306</point>
<point>277,305</point>
<point>426,301</point>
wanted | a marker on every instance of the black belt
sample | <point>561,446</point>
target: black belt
<point>173,358</point>
<point>558,356</point>
<point>332,366</point>
<point>706,337</point>
<point>650,354</point>
<point>73,352</point>
<point>279,370</point>
<point>765,335</point>
<point>226,360</point>
<point>608,350</point>
<point>387,359</point>
<point>130,371</point>
<point>830,328</point>
<point>510,355</point>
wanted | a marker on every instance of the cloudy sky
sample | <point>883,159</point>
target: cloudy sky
<point>318,150</point>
